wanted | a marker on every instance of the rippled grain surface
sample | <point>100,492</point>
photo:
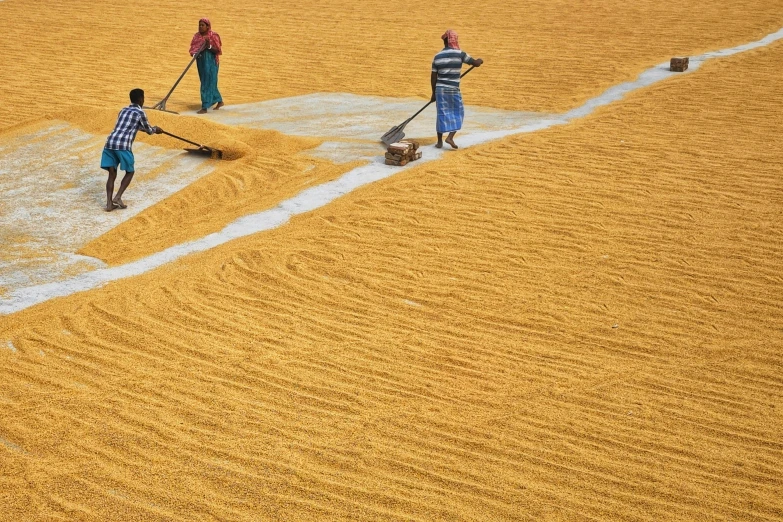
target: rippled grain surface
<point>577,324</point>
<point>541,55</point>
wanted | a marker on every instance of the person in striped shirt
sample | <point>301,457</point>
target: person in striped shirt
<point>446,68</point>
<point>117,151</point>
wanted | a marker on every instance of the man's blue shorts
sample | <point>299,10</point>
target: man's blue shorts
<point>112,158</point>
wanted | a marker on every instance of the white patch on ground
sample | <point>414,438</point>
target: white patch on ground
<point>346,151</point>
<point>321,195</point>
<point>52,194</point>
<point>356,123</point>
<point>354,117</point>
<point>11,346</point>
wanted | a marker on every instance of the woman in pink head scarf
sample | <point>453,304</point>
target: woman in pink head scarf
<point>207,45</point>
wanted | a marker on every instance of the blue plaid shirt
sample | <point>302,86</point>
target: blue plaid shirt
<point>130,120</point>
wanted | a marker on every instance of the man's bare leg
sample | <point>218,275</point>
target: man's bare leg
<point>450,140</point>
<point>440,141</point>
<point>219,105</point>
<point>123,185</point>
<point>110,189</point>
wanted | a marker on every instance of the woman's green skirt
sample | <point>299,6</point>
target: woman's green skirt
<point>208,74</point>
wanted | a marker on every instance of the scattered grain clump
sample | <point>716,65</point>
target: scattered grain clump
<point>232,149</point>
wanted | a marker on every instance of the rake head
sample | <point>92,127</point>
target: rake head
<point>161,106</point>
<point>394,135</point>
<point>207,151</point>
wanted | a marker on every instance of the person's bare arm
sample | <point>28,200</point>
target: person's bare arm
<point>433,81</point>
<point>477,62</point>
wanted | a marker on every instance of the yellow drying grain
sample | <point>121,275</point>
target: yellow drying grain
<point>541,55</point>
<point>581,323</point>
<point>232,149</point>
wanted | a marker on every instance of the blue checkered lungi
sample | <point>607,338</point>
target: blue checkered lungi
<point>451,112</point>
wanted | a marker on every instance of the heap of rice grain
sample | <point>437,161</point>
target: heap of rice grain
<point>232,149</point>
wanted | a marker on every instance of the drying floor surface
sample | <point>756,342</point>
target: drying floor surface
<point>579,323</point>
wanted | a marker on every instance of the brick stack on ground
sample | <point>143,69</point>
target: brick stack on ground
<point>402,152</point>
<point>678,64</point>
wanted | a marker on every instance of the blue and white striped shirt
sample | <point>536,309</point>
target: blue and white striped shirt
<point>130,120</point>
<point>448,65</point>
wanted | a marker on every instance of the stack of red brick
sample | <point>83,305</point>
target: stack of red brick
<point>402,152</point>
<point>678,64</point>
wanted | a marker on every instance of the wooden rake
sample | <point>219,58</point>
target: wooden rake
<point>202,149</point>
<point>161,105</point>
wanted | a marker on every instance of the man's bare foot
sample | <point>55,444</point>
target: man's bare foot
<point>219,105</point>
<point>202,111</point>
<point>110,207</point>
<point>451,142</point>
<point>119,203</point>
<point>439,145</point>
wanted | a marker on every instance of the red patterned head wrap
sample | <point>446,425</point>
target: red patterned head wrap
<point>210,38</point>
<point>451,38</point>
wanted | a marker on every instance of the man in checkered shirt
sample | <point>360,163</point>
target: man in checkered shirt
<point>117,151</point>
